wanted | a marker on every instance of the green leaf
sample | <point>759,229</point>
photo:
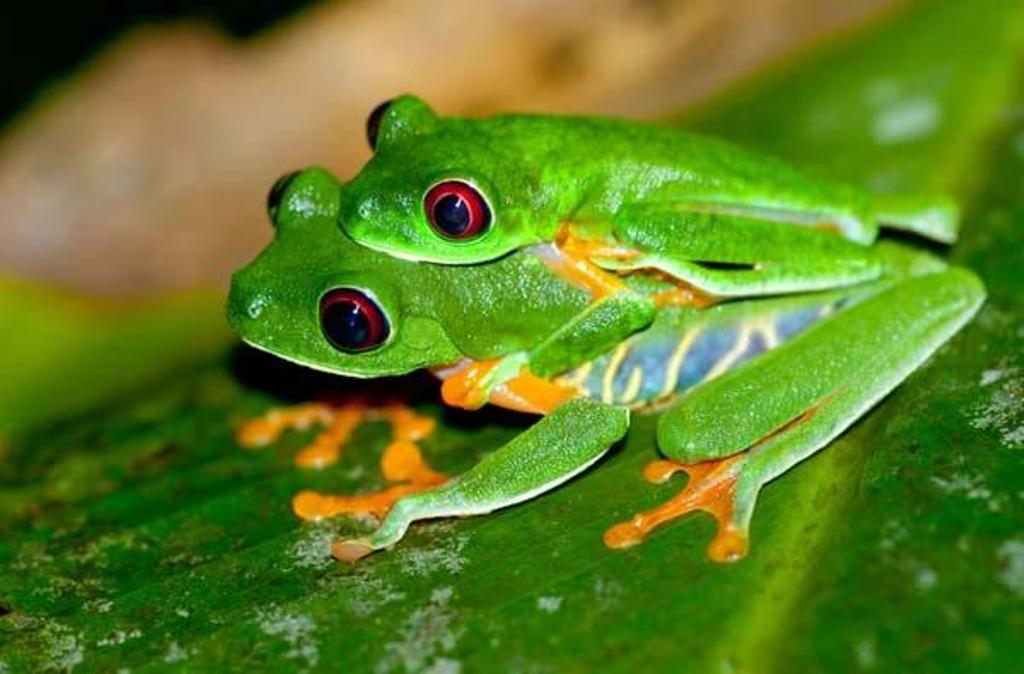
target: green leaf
<point>138,535</point>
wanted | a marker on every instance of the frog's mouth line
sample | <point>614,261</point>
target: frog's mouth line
<point>315,366</point>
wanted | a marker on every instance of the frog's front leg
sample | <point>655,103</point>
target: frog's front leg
<point>752,424</point>
<point>522,381</point>
<point>553,450</point>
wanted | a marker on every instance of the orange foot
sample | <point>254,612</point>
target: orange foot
<point>710,488</point>
<point>465,386</point>
<point>402,462</point>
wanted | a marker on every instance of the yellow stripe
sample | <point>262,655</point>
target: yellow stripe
<point>607,394</point>
<point>575,378</point>
<point>636,379</point>
<point>675,363</point>
<point>732,355</point>
<point>769,331</point>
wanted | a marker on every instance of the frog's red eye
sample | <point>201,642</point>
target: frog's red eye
<point>352,321</point>
<point>373,123</point>
<point>456,210</point>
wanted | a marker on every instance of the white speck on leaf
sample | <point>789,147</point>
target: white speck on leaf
<point>549,604</point>
<point>1003,412</point>
<point>1011,560</point>
<point>118,637</point>
<point>608,593</point>
<point>925,578</point>
<point>296,629</point>
<point>445,556</point>
<point>864,653</point>
<point>63,647</point>
<point>98,605</point>
<point>994,374</point>
<point>893,533</point>
<point>427,638</point>
<point>444,666</point>
<point>366,594</point>
<point>972,487</point>
<point>175,653</point>
<point>313,548</point>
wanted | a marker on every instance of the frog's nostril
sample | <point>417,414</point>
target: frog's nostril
<point>245,306</point>
<point>255,306</point>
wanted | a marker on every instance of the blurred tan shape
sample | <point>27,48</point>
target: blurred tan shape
<point>148,169</point>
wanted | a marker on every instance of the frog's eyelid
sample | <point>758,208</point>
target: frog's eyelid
<point>373,122</point>
<point>276,194</point>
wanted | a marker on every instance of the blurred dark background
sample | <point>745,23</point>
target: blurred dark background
<point>44,40</point>
<point>138,138</point>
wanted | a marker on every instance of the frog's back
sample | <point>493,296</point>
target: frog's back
<point>660,161</point>
<point>624,162</point>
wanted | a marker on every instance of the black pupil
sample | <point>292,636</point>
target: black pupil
<point>451,214</point>
<point>346,325</point>
<point>276,192</point>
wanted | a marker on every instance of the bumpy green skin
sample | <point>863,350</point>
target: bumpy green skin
<point>538,172</point>
<point>777,402</point>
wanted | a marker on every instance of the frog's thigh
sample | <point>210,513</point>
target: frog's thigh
<point>767,279</point>
<point>550,452</point>
<point>792,405</point>
<point>818,383</point>
<point>735,256</point>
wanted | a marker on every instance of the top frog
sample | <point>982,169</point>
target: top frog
<point>594,196</point>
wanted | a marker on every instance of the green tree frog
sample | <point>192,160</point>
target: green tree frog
<point>745,388</point>
<point>592,194</point>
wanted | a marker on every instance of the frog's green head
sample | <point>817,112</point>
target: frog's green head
<point>316,298</point>
<point>445,190</point>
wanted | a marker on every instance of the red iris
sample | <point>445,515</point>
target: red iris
<point>456,210</point>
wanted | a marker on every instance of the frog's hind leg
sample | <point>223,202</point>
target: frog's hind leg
<point>725,256</point>
<point>935,218</point>
<point>750,425</point>
<point>559,446</point>
<point>711,488</point>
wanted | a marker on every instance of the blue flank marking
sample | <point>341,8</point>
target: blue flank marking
<point>788,325</point>
<point>593,380</point>
<point>755,347</point>
<point>651,353</point>
<point>707,349</point>
<point>651,358</point>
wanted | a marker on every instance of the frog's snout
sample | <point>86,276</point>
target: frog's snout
<point>245,306</point>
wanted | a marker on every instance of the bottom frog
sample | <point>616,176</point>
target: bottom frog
<point>746,389</point>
